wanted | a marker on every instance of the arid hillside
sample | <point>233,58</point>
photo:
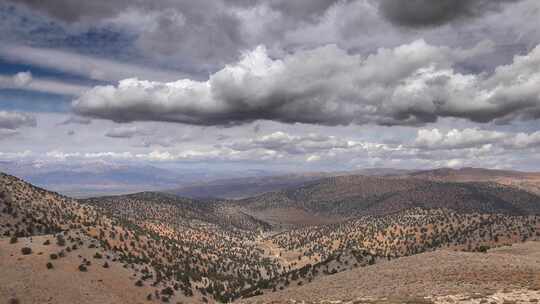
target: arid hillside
<point>529,181</point>
<point>163,248</point>
<point>337,198</point>
<point>509,274</point>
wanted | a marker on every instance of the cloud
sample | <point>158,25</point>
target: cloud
<point>456,139</point>
<point>284,142</point>
<point>524,140</point>
<point>22,79</point>
<point>74,119</point>
<point>10,122</point>
<point>256,128</point>
<point>82,65</point>
<point>70,11</point>
<point>221,137</point>
<point>15,155</point>
<point>5,133</point>
<point>125,132</point>
<point>165,141</point>
<point>328,86</point>
<point>25,81</point>
<point>417,13</point>
<point>435,139</point>
<point>16,120</point>
<point>199,34</point>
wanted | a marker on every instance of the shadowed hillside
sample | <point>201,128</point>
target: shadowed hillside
<point>349,196</point>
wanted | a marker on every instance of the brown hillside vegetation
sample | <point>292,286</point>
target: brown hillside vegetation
<point>470,277</point>
<point>345,197</point>
<point>163,248</point>
<point>529,181</point>
<point>27,278</point>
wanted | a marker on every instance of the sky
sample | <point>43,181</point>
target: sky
<point>303,85</point>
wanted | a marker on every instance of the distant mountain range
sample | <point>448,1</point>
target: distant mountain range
<point>106,178</point>
<point>238,188</point>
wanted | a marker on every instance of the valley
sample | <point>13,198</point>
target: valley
<point>328,234</point>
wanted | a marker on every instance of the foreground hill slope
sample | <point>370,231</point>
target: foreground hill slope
<point>79,239</point>
<point>180,262</point>
<point>468,275</point>
<point>27,278</point>
<point>182,250</point>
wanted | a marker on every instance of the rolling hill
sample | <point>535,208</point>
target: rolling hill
<point>528,181</point>
<point>174,249</point>
<point>342,197</point>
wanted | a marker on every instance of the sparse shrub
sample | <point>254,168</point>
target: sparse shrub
<point>139,283</point>
<point>47,242</point>
<point>26,250</point>
<point>13,240</point>
<point>53,256</point>
<point>83,268</point>
<point>60,241</point>
<point>98,255</point>
<point>14,301</point>
<point>106,265</point>
<point>167,291</point>
<point>483,248</point>
<point>49,265</point>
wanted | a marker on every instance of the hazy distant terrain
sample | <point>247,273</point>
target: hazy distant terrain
<point>104,178</point>
<point>237,188</point>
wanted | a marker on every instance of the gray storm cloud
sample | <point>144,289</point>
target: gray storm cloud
<point>10,122</point>
<point>15,120</point>
<point>417,13</point>
<point>207,32</point>
<point>125,132</point>
<point>411,84</point>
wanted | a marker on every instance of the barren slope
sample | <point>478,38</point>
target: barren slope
<point>26,277</point>
<point>429,274</point>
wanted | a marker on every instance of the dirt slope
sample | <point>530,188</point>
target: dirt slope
<point>26,277</point>
<point>439,273</point>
